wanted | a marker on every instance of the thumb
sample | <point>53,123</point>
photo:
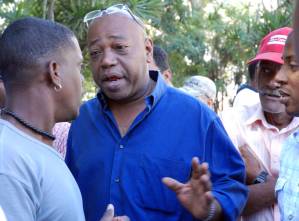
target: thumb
<point>109,213</point>
<point>172,184</point>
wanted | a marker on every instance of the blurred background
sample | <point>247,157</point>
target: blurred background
<point>202,37</point>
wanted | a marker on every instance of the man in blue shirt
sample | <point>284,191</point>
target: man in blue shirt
<point>138,130</point>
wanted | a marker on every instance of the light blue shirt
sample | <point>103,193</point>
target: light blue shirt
<point>287,186</point>
<point>35,183</point>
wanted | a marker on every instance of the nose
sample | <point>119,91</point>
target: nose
<point>108,59</point>
<point>281,76</point>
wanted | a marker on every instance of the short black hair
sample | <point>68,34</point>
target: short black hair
<point>27,41</point>
<point>161,58</point>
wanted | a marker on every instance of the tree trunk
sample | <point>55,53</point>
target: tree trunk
<point>44,7</point>
<point>50,12</point>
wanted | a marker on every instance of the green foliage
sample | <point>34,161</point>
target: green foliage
<point>201,37</point>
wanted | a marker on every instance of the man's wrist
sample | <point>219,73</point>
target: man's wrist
<point>212,211</point>
<point>261,178</point>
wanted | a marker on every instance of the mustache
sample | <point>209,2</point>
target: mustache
<point>272,93</point>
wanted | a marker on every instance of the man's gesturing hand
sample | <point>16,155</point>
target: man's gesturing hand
<point>109,215</point>
<point>195,195</point>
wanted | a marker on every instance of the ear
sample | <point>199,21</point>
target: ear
<point>54,74</point>
<point>167,75</point>
<point>149,50</point>
<point>210,103</point>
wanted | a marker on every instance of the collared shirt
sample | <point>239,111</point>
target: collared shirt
<point>127,171</point>
<point>287,186</point>
<point>265,142</point>
<point>246,101</point>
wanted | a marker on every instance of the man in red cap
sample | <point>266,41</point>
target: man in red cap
<point>259,136</point>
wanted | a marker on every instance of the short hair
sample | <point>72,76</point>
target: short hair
<point>161,58</point>
<point>27,41</point>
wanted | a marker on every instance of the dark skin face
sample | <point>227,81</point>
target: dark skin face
<point>296,29</point>
<point>67,73</point>
<point>268,86</point>
<point>119,54</point>
<point>271,78</point>
<point>290,90</point>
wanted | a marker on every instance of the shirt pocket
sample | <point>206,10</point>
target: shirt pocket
<point>152,194</point>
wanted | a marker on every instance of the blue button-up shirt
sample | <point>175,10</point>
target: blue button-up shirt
<point>127,171</point>
<point>287,186</point>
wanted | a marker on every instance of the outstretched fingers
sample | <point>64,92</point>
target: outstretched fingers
<point>172,184</point>
<point>199,169</point>
<point>121,218</point>
<point>109,213</point>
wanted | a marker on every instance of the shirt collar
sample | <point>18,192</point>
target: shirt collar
<point>259,117</point>
<point>150,100</point>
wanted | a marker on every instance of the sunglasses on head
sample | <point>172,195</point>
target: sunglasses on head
<point>118,8</point>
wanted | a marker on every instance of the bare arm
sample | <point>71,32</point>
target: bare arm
<point>260,196</point>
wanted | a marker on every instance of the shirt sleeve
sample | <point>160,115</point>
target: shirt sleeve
<point>227,171</point>
<point>17,199</point>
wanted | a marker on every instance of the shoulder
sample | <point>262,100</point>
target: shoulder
<point>88,108</point>
<point>246,98</point>
<point>22,155</point>
<point>183,100</point>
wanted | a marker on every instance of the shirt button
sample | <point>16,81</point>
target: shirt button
<point>290,217</point>
<point>121,146</point>
<point>116,180</point>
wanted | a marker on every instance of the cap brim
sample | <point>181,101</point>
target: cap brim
<point>270,56</point>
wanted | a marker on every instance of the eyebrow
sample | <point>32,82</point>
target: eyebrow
<point>115,37</point>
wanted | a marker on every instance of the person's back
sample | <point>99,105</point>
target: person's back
<point>42,177</point>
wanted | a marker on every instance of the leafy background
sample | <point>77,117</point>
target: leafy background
<point>210,38</point>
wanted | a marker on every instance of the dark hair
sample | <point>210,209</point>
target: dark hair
<point>161,58</point>
<point>252,70</point>
<point>26,42</point>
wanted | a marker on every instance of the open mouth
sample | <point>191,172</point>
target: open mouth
<point>275,94</point>
<point>112,78</point>
<point>283,93</point>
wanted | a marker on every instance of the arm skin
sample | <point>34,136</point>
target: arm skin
<point>260,196</point>
<point>196,195</point>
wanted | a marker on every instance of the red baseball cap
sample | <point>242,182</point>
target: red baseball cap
<point>272,45</point>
